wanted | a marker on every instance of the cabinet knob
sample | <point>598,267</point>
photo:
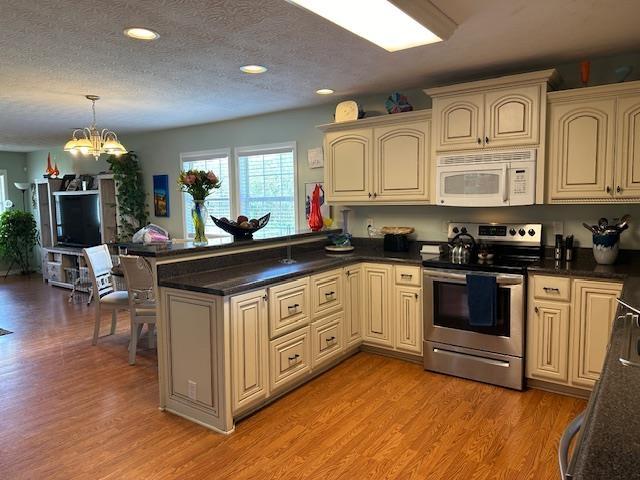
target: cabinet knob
<point>347,273</point>
<point>608,189</point>
<point>479,141</point>
<point>416,295</point>
<point>486,140</point>
<point>293,307</point>
<point>294,357</point>
<point>370,195</point>
<point>265,298</point>
<point>330,339</point>
<point>536,309</point>
<point>329,294</point>
<point>619,189</point>
<point>375,194</point>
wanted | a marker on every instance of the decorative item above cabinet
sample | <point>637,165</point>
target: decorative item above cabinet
<point>594,153</point>
<point>502,112</point>
<point>383,159</point>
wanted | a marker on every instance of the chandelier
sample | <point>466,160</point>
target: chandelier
<point>92,141</point>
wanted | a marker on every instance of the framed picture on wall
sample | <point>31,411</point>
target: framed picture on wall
<point>161,195</point>
<point>325,209</point>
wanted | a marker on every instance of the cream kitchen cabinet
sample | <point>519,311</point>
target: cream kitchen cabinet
<point>568,329</point>
<point>377,326</point>
<point>593,155</point>
<point>594,308</point>
<point>353,305</point>
<point>408,319</point>
<point>502,112</point>
<point>383,159</point>
<point>249,345</point>
<point>349,159</point>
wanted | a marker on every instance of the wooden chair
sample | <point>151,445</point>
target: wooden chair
<point>105,297</point>
<point>142,302</point>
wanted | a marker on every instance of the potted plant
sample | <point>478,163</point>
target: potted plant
<point>18,236</point>
<point>199,184</point>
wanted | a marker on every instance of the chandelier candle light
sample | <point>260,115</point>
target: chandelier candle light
<point>199,185</point>
<point>94,142</point>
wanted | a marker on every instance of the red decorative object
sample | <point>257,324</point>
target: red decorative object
<point>315,217</point>
<point>585,70</point>
<point>55,172</point>
<point>49,167</point>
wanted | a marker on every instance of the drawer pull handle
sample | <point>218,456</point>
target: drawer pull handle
<point>293,307</point>
<point>551,289</point>
<point>295,357</point>
<point>329,294</point>
<point>406,275</point>
<point>330,339</point>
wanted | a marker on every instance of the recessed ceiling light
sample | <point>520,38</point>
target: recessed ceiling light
<point>379,21</point>
<point>140,33</point>
<point>324,91</point>
<point>253,69</point>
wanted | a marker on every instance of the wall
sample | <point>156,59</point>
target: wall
<point>159,154</point>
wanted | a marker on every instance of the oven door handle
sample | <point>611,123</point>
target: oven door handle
<point>462,277</point>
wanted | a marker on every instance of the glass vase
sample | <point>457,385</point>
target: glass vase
<point>199,217</point>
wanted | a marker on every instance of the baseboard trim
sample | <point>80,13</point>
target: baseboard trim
<point>557,388</point>
<point>408,357</point>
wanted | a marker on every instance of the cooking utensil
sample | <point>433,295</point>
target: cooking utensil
<point>589,227</point>
<point>461,252</point>
<point>624,222</point>
<point>603,223</point>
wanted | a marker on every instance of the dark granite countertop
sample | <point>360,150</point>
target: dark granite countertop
<point>584,265</point>
<point>250,276</point>
<point>188,248</point>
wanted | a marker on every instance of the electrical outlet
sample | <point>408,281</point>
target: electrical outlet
<point>192,389</point>
<point>558,228</point>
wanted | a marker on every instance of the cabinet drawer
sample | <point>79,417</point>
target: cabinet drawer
<point>407,275</point>
<point>326,292</point>
<point>552,288</point>
<point>290,358</point>
<point>288,307</point>
<point>326,339</point>
<point>54,272</point>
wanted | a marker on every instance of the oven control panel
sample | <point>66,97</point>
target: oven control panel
<point>518,233</point>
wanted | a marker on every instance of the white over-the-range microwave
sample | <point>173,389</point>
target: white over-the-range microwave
<point>486,179</point>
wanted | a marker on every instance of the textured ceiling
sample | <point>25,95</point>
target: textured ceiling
<point>54,52</point>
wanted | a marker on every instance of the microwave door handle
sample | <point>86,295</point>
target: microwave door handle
<point>505,180</point>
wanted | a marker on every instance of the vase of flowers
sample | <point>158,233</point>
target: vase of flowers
<point>199,184</point>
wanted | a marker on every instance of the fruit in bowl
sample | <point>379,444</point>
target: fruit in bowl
<point>242,227</point>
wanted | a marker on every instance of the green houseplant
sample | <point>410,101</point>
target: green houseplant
<point>18,236</point>
<point>130,192</point>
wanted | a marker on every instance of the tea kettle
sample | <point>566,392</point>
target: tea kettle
<point>461,251</point>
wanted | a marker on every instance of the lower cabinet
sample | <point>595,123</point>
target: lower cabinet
<point>408,318</point>
<point>353,305</point>
<point>567,339</point>
<point>290,358</point>
<point>377,304</point>
<point>249,349</point>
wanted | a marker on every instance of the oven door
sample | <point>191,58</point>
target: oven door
<point>477,185</point>
<point>446,313</point>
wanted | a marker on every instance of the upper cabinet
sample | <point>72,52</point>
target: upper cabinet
<point>502,112</point>
<point>594,153</point>
<point>382,159</point>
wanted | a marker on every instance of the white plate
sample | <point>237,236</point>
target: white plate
<point>338,248</point>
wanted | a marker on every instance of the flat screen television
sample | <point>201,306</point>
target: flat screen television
<point>78,220</point>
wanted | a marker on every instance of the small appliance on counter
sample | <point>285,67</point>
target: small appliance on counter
<point>396,238</point>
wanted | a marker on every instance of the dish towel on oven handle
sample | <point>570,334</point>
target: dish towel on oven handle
<point>482,299</point>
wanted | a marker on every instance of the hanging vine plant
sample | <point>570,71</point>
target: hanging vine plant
<point>130,193</point>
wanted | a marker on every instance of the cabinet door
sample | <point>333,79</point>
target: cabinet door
<point>628,147</point>
<point>348,165</point>
<point>353,305</point>
<point>458,122</point>
<point>512,116</point>
<point>580,162</point>
<point>249,345</point>
<point>290,358</point>
<point>548,341</point>
<point>401,165</point>
<point>408,319</point>
<point>377,304</point>
<point>594,310</point>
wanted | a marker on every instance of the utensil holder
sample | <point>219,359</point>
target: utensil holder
<point>605,248</point>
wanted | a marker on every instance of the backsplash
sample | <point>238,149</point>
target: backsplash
<point>430,220</point>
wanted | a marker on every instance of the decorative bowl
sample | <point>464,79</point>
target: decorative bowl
<point>236,230</point>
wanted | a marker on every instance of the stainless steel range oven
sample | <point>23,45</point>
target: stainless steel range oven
<point>492,354</point>
<point>456,342</point>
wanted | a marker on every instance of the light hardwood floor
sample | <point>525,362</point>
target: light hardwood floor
<point>72,411</point>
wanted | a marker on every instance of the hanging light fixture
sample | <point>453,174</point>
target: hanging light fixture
<point>90,141</point>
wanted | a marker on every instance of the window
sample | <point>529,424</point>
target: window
<point>267,183</point>
<point>219,202</point>
<point>4,194</point>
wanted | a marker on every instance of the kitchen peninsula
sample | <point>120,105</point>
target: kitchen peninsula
<point>239,327</point>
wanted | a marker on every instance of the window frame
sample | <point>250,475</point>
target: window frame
<point>4,179</point>
<point>212,153</point>
<point>262,150</point>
